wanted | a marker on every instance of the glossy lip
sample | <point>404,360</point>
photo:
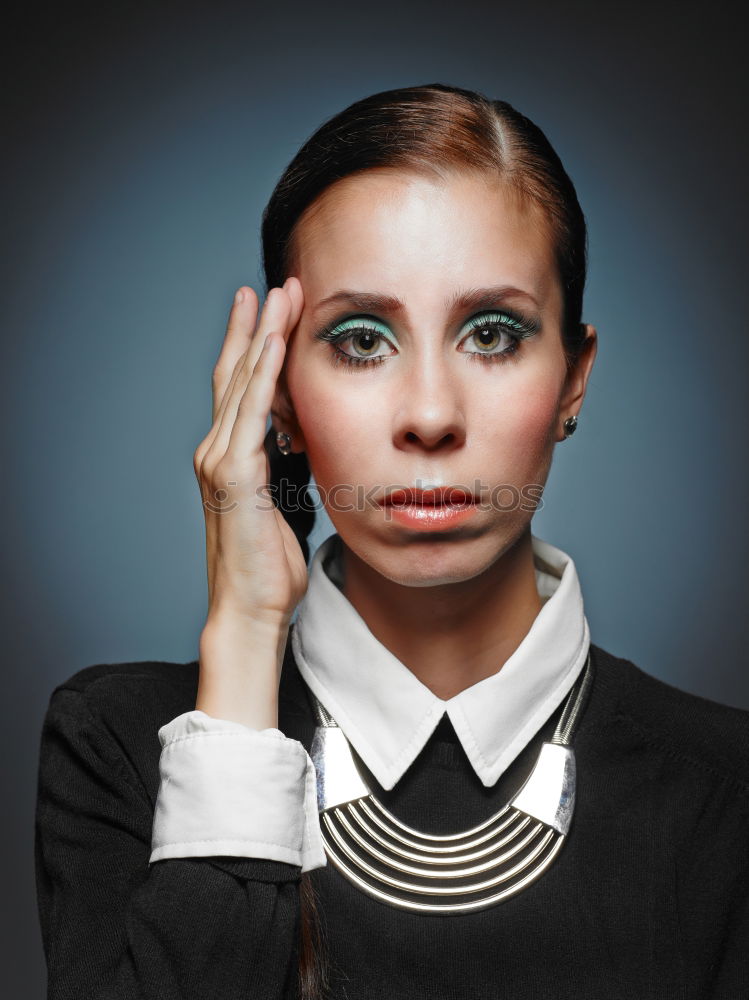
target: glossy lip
<point>445,496</point>
<point>430,510</point>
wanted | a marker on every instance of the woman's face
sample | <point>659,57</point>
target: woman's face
<point>448,370</point>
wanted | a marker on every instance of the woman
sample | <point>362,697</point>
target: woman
<point>431,783</point>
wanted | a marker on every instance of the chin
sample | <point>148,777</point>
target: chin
<point>431,562</point>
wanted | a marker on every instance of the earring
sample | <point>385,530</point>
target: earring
<point>570,426</point>
<point>283,442</point>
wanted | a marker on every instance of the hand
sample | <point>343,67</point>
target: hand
<point>256,569</point>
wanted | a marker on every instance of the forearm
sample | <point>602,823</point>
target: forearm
<point>240,667</point>
<point>116,927</point>
<point>188,931</point>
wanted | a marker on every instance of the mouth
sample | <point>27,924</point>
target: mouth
<point>444,509</point>
<point>445,496</point>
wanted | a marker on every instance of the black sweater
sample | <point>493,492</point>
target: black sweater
<point>649,897</point>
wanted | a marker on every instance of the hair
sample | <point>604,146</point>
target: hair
<point>435,130</point>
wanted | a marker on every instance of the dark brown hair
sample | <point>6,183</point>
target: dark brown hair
<point>434,129</point>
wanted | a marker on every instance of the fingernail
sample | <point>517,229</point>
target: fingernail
<point>239,297</point>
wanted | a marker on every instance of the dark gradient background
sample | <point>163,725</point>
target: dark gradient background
<point>143,143</point>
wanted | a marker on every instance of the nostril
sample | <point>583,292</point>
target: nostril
<point>430,442</point>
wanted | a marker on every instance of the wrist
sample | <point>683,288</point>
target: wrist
<point>225,614</point>
<point>266,627</point>
<point>240,669</point>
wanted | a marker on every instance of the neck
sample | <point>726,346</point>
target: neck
<point>453,635</point>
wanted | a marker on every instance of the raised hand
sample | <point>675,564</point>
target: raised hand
<point>256,570</point>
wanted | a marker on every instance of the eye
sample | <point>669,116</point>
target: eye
<point>490,330</point>
<point>365,338</point>
<point>368,340</point>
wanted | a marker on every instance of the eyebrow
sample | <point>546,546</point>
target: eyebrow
<point>473,298</point>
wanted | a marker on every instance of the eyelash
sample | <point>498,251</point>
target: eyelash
<point>517,327</point>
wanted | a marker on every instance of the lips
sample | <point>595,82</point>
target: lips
<point>444,496</point>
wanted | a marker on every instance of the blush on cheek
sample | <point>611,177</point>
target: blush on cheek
<point>323,468</point>
<point>537,412</point>
<point>335,455</point>
<point>540,423</point>
<point>523,440</point>
<point>330,418</point>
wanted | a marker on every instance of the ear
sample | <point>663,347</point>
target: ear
<point>283,415</point>
<point>576,381</point>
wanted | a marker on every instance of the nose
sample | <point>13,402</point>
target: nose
<point>430,413</point>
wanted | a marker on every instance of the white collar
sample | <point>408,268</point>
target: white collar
<point>385,711</point>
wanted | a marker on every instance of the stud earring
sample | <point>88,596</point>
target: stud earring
<point>283,442</point>
<point>570,426</point>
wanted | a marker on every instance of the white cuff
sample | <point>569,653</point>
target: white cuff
<point>232,790</point>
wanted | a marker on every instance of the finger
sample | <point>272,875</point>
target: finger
<point>238,368</point>
<point>248,430</point>
<point>274,319</point>
<point>277,315</point>
<point>281,313</point>
<point>239,329</point>
<point>203,449</point>
<point>293,288</point>
<point>271,316</point>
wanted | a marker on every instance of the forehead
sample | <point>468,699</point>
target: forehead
<point>415,235</point>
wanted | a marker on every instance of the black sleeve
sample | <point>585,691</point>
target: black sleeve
<point>115,927</point>
<point>713,880</point>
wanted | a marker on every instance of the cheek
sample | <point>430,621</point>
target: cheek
<point>519,432</point>
<point>333,427</point>
<point>335,452</point>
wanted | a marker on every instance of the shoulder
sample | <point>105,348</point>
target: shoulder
<point>156,691</point>
<point>145,690</point>
<point>702,735</point>
<point>112,712</point>
<point>120,708</point>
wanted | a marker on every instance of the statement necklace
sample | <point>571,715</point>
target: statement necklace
<point>457,872</point>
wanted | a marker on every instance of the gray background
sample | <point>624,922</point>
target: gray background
<point>144,143</point>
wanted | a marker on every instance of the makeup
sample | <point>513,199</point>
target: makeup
<point>430,510</point>
<point>365,335</point>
